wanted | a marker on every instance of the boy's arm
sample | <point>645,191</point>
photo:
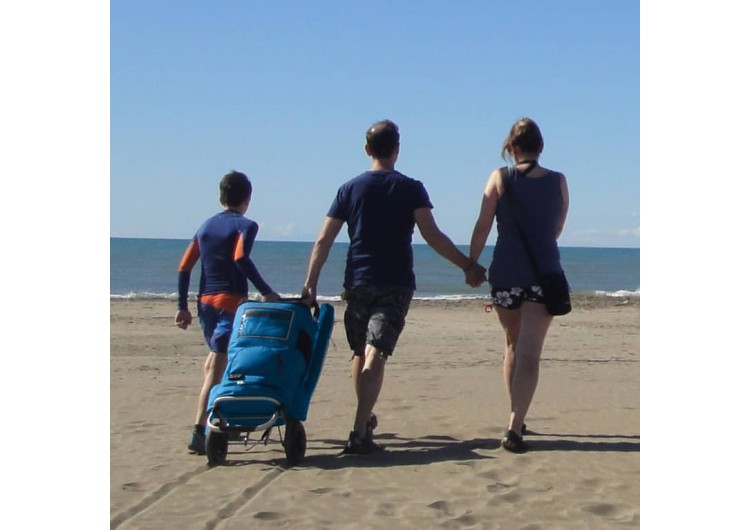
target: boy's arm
<point>242,248</point>
<point>188,261</point>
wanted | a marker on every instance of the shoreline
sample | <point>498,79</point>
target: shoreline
<point>578,301</point>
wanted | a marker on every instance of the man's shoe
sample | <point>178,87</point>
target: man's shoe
<point>355,445</point>
<point>197,443</point>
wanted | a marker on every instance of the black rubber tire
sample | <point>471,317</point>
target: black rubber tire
<point>295,441</point>
<point>217,444</point>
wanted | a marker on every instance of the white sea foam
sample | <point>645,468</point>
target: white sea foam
<point>144,296</point>
<point>620,293</point>
<point>454,297</point>
<point>337,298</point>
<point>193,296</point>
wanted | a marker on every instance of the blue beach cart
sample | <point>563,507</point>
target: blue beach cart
<point>275,357</point>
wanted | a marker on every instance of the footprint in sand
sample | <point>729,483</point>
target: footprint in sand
<point>269,516</point>
<point>602,509</point>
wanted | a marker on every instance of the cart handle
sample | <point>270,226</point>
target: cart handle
<point>299,300</point>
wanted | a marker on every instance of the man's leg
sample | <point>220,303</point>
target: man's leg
<point>386,321</point>
<point>356,319</point>
<point>368,372</point>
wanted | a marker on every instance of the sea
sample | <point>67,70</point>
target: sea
<point>147,269</point>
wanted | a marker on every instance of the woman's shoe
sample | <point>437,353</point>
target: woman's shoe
<point>513,443</point>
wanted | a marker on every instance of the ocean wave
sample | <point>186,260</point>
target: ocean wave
<point>337,298</point>
<point>322,298</point>
<point>619,294</point>
<point>192,297</point>
<point>145,296</point>
<point>453,297</point>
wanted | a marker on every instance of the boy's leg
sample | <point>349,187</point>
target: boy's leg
<point>217,328</point>
<point>213,369</point>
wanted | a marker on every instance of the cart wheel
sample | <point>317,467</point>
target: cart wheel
<point>216,447</point>
<point>295,441</point>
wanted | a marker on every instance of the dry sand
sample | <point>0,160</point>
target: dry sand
<point>442,412</point>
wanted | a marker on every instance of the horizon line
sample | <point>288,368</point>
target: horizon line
<point>346,242</point>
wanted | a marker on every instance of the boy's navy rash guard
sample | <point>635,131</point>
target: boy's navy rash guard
<point>223,244</point>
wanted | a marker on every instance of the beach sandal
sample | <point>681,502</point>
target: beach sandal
<point>513,443</point>
<point>355,445</point>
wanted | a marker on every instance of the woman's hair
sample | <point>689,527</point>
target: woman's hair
<point>524,135</point>
<point>234,189</point>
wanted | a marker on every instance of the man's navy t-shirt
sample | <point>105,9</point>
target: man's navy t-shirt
<point>378,207</point>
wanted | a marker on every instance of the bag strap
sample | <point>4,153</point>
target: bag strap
<point>505,176</point>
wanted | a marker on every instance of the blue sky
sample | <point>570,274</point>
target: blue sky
<point>285,90</point>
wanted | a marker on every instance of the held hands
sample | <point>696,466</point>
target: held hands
<point>475,275</point>
<point>183,318</point>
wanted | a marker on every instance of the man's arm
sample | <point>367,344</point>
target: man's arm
<point>445,247</point>
<point>329,231</point>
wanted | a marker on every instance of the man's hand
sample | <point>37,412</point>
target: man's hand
<point>183,318</point>
<point>309,295</point>
<point>475,275</point>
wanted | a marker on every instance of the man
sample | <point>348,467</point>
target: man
<point>380,207</point>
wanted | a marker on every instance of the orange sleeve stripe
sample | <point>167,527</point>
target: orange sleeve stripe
<point>190,258</point>
<point>239,248</point>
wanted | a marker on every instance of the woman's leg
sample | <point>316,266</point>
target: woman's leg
<point>534,324</point>
<point>510,320</point>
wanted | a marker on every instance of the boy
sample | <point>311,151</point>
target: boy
<point>223,244</point>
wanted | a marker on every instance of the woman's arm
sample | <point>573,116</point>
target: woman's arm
<point>565,205</point>
<point>483,225</point>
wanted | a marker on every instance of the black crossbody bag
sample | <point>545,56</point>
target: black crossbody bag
<point>555,288</point>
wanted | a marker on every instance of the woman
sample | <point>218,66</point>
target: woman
<point>541,202</point>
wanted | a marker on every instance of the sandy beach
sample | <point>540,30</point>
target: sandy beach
<point>441,414</point>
